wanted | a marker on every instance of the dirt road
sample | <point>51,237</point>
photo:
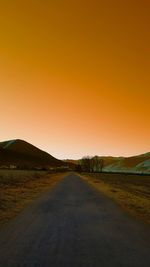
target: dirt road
<point>74,226</point>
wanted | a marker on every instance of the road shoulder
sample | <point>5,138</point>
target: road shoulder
<point>16,195</point>
<point>133,202</point>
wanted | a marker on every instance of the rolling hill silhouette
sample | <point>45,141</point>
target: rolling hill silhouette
<point>135,164</point>
<point>25,155</point>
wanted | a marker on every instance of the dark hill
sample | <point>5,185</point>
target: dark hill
<point>24,155</point>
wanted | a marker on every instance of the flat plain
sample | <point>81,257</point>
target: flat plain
<point>131,192</point>
<point>18,188</point>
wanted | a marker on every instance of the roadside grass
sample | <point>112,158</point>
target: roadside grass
<point>131,192</point>
<point>18,188</point>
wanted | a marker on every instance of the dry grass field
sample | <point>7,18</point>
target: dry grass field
<point>131,192</point>
<point>18,188</point>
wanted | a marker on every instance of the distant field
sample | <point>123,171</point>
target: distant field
<point>18,187</point>
<point>17,177</point>
<point>132,192</point>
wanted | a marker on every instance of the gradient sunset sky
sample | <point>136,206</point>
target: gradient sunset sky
<point>75,76</point>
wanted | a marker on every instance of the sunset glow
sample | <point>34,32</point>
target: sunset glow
<point>75,76</point>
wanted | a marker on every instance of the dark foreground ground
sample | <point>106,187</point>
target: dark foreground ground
<point>73,226</point>
<point>130,191</point>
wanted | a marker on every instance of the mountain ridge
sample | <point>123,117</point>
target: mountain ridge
<point>21,154</point>
<point>134,164</point>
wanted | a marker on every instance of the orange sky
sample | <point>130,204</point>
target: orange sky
<point>75,76</point>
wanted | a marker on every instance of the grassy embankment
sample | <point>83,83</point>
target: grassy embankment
<point>18,188</point>
<point>131,192</point>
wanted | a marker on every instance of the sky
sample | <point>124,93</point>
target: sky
<point>75,76</point>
